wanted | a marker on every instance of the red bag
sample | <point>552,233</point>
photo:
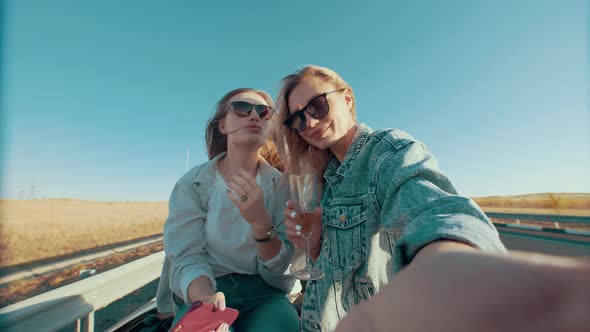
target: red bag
<point>201,317</point>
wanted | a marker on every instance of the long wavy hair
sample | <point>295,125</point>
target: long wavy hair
<point>217,142</point>
<point>296,154</point>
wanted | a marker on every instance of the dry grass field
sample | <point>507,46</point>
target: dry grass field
<point>39,229</point>
<point>567,204</point>
<point>548,203</point>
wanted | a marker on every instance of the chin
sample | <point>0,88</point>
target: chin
<point>252,142</point>
<point>322,144</point>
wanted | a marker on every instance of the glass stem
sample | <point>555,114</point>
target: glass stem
<point>307,255</point>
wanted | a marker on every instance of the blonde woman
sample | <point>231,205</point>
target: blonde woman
<point>385,206</point>
<point>224,238</point>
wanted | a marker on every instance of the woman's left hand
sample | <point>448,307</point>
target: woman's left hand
<point>249,199</point>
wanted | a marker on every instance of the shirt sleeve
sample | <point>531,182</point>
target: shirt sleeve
<point>184,239</point>
<point>420,206</point>
<point>274,270</point>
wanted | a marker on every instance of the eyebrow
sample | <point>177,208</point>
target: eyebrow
<point>307,104</point>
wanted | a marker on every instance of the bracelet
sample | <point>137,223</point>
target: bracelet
<point>272,232</point>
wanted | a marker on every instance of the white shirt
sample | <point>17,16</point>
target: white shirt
<point>230,243</point>
<point>201,242</point>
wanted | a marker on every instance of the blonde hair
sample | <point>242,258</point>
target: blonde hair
<point>217,142</point>
<point>298,155</point>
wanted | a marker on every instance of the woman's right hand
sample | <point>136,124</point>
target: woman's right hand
<point>218,300</point>
<point>294,230</point>
<point>200,290</point>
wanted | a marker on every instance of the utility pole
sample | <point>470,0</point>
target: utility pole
<point>187,157</point>
<point>32,193</point>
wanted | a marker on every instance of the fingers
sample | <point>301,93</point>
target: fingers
<point>294,233</point>
<point>289,213</point>
<point>232,197</point>
<point>293,229</point>
<point>290,204</point>
<point>219,301</point>
<point>237,189</point>
<point>243,182</point>
<point>248,178</point>
<point>223,328</point>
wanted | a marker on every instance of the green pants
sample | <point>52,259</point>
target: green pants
<point>261,306</point>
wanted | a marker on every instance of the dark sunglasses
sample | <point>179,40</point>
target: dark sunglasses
<point>244,108</point>
<point>318,108</point>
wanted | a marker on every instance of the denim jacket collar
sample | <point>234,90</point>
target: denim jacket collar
<point>357,144</point>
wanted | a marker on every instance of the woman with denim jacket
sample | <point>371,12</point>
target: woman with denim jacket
<point>224,238</point>
<point>385,206</point>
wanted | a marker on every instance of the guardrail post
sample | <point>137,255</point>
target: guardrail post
<point>85,324</point>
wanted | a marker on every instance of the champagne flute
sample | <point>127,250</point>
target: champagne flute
<point>303,191</point>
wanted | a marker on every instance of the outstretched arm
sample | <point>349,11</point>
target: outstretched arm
<point>456,290</point>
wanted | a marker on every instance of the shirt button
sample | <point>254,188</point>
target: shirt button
<point>315,326</point>
<point>342,218</point>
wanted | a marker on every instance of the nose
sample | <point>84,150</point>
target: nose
<point>310,121</point>
<point>254,115</point>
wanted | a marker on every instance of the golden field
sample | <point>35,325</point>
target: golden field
<point>38,229</point>
<point>548,203</point>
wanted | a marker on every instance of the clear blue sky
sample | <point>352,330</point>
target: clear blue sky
<point>100,100</point>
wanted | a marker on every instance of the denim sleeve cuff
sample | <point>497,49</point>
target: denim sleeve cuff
<point>278,261</point>
<point>188,276</point>
<point>457,227</point>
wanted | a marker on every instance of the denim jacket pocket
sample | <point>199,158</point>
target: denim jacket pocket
<point>360,290</point>
<point>353,293</point>
<point>347,231</point>
<point>363,289</point>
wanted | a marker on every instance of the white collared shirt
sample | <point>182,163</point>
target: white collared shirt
<point>230,243</point>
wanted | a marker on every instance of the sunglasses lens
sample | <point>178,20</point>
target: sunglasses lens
<point>264,112</point>
<point>319,107</point>
<point>242,108</point>
<point>298,123</point>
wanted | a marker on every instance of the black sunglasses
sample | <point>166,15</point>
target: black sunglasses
<point>318,108</point>
<point>244,108</point>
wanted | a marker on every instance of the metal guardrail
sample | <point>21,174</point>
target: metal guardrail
<point>557,220</point>
<point>78,302</point>
<point>540,217</point>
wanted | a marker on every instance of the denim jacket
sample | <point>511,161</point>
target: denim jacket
<point>385,202</point>
<point>184,238</point>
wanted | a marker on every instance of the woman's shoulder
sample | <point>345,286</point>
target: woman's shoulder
<point>198,174</point>
<point>391,138</point>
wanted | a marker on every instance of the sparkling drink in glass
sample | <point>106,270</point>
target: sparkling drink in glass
<point>303,191</point>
